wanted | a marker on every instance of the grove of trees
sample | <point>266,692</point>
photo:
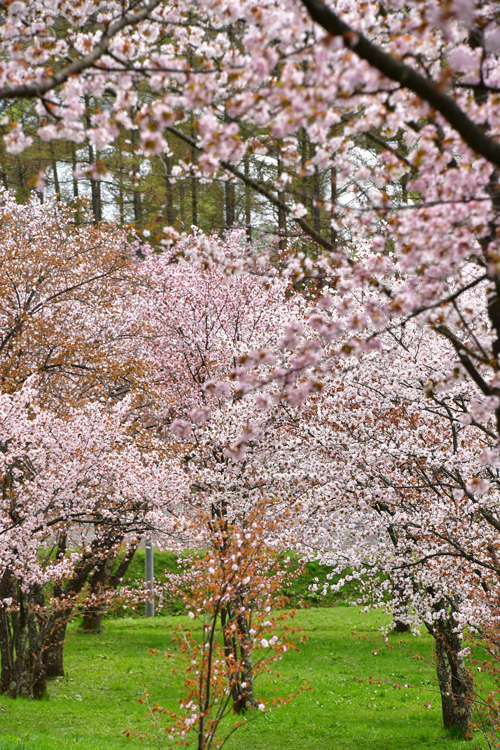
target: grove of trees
<point>250,304</point>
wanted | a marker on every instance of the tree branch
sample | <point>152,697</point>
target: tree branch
<point>393,68</point>
<point>39,88</point>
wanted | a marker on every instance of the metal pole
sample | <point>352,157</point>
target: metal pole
<point>150,573</point>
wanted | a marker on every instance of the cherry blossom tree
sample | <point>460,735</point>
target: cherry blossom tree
<point>67,357</point>
<point>61,315</point>
<point>66,483</point>
<point>385,431</point>
<point>241,461</point>
<point>412,491</point>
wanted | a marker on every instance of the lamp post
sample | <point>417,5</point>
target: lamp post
<point>149,577</point>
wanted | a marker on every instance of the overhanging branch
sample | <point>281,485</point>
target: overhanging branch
<point>395,69</point>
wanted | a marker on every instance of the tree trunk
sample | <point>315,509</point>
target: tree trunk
<point>182,213</point>
<point>400,626</point>
<point>317,201</point>
<point>333,199</point>
<point>230,203</point>
<point>74,166</point>
<point>241,680</point>
<point>194,180</point>
<point>304,145</point>
<point>169,202</point>
<point>248,201</point>
<point>99,582</point>
<point>137,207</point>
<point>136,180</point>
<point>246,698</point>
<point>94,185</point>
<point>22,673</point>
<point>102,580</point>
<point>400,607</point>
<point>281,212</point>
<point>54,663</point>
<point>455,682</point>
<point>455,688</point>
<point>22,194</point>
<point>38,642</point>
<point>444,682</point>
<point>57,186</point>
<point>31,637</point>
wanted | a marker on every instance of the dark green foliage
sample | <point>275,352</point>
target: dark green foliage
<point>298,593</point>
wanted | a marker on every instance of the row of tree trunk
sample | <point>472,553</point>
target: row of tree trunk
<point>33,629</point>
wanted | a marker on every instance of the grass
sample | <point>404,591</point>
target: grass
<point>106,673</point>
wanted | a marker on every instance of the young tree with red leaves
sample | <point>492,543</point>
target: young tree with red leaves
<point>233,589</point>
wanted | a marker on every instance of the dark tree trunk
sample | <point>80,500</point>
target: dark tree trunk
<point>455,688</point>
<point>136,193</point>
<point>307,198</point>
<point>94,184</point>
<point>15,680</point>
<point>102,580</point>
<point>248,202</point>
<point>22,674</point>
<point>74,165</point>
<point>182,213</point>
<point>281,213</point>
<point>20,172</point>
<point>169,202</point>
<point>194,181</point>
<point>39,638</point>
<point>241,681</point>
<point>137,207</point>
<point>92,619</point>
<point>455,682</point>
<point>31,638</point>
<point>246,698</point>
<point>317,201</point>
<point>400,607</point>
<point>230,204</point>
<point>444,682</point>
<point>95,191</point>
<point>57,186</point>
<point>54,662</point>
<point>333,199</point>
<point>400,626</point>
<point>194,201</point>
<point>99,582</point>
<point>56,624</point>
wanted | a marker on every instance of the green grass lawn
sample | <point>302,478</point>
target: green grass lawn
<point>106,673</point>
